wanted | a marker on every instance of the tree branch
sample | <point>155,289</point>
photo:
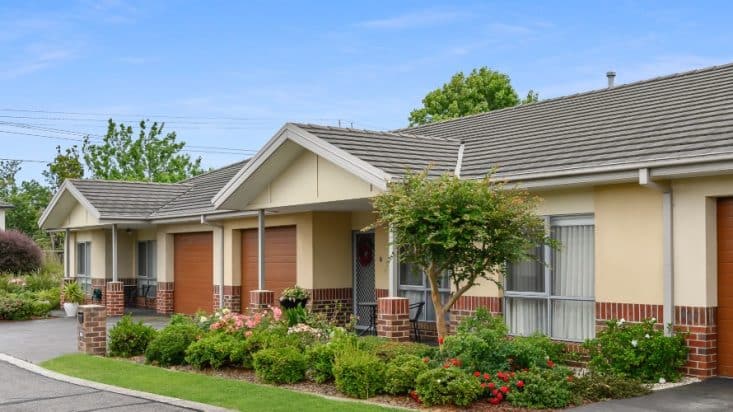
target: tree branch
<point>454,297</point>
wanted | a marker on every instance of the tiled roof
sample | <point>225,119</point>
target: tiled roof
<point>133,200</point>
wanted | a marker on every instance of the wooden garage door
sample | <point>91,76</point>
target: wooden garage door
<point>725,287</point>
<point>280,261</point>
<point>193,272</point>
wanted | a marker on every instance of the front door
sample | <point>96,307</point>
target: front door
<point>365,295</point>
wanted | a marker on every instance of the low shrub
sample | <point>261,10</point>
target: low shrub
<point>401,373</point>
<point>475,351</point>
<point>18,253</point>
<point>482,322</point>
<point>594,387</point>
<point>543,388</point>
<point>320,360</point>
<point>52,296</point>
<point>216,350</point>
<point>128,338</point>
<point>388,350</point>
<point>530,351</point>
<point>170,344</point>
<point>637,350</point>
<point>445,386</point>
<point>40,308</point>
<point>14,307</point>
<point>359,374</point>
<point>41,282</point>
<point>280,365</point>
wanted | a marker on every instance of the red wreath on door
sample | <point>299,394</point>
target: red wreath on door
<point>365,252</point>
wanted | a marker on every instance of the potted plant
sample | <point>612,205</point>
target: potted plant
<point>73,296</point>
<point>294,297</point>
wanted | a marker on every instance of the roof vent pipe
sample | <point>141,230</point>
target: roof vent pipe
<point>611,77</point>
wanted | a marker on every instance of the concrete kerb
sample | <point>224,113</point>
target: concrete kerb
<point>109,388</point>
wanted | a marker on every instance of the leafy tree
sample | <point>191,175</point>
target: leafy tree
<point>481,91</point>
<point>8,170</point>
<point>149,157</point>
<point>66,165</point>
<point>28,199</point>
<point>468,229</point>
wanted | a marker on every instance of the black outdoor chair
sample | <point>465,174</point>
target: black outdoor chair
<point>414,319</point>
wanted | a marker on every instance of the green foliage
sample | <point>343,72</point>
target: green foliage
<point>637,350</point>
<point>170,344</point>
<point>73,293</point>
<point>29,198</point>
<point>388,350</point>
<point>37,283</point>
<point>295,293</point>
<point>66,165</point>
<point>481,91</point>
<point>467,228</point>
<point>482,321</point>
<point>401,373</point>
<point>280,365</point>
<point>128,338</point>
<point>480,343</point>
<point>594,387</point>
<point>321,358</point>
<point>296,315</point>
<point>149,157</point>
<point>217,349</point>
<point>359,374</point>
<point>52,296</point>
<point>19,254</point>
<point>534,351</point>
<point>445,386</point>
<point>544,388</point>
<point>14,307</point>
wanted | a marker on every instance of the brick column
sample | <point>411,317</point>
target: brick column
<point>261,299</point>
<point>701,324</point>
<point>115,300</point>
<point>100,284</point>
<point>393,318</point>
<point>232,298</point>
<point>164,298</point>
<point>92,329</point>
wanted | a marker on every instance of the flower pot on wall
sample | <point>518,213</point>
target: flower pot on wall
<point>71,309</point>
<point>289,303</point>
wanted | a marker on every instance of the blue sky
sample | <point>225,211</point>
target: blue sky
<point>229,74</point>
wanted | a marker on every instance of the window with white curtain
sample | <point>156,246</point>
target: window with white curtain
<point>554,294</point>
<point>146,279</point>
<point>84,265</point>
<point>414,285</point>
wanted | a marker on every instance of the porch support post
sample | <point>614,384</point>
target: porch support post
<point>261,249</point>
<point>67,253</point>
<point>114,252</point>
<point>394,266</point>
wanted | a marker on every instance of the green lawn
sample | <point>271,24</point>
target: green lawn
<point>227,393</point>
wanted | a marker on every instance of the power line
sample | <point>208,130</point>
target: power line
<point>24,160</point>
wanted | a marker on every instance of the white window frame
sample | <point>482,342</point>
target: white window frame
<point>547,295</point>
<point>149,276</point>
<point>424,288</point>
<point>84,278</point>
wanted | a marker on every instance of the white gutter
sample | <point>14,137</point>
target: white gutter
<point>667,244</point>
<point>205,221</point>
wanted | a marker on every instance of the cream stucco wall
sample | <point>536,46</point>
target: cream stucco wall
<point>628,245</point>
<point>311,179</point>
<point>79,217</point>
<point>332,256</point>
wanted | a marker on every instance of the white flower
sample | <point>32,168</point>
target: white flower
<point>225,311</point>
<point>647,336</point>
<point>203,319</point>
<point>654,320</point>
<point>438,381</point>
<point>662,380</point>
<point>622,321</point>
<point>634,342</point>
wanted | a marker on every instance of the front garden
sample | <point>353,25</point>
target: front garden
<point>478,367</point>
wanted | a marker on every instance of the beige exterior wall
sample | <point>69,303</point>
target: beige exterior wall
<point>332,255</point>
<point>80,217</point>
<point>125,256</point>
<point>311,179</point>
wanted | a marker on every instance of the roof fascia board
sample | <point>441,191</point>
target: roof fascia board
<point>197,217</point>
<point>579,180</point>
<point>67,186</point>
<point>341,158</point>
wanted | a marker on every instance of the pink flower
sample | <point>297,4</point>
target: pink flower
<point>276,313</point>
<point>248,333</point>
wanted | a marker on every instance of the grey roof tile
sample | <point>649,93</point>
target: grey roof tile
<point>133,200</point>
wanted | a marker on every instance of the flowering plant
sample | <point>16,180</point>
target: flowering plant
<point>232,322</point>
<point>295,293</point>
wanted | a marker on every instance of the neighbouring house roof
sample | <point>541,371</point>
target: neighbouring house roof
<point>133,200</point>
<point>5,205</point>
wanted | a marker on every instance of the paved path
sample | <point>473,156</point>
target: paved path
<point>714,394</point>
<point>40,340</point>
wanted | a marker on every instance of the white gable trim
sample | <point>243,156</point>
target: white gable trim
<point>67,186</point>
<point>339,157</point>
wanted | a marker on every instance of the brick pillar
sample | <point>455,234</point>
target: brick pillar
<point>164,298</point>
<point>261,299</point>
<point>701,324</point>
<point>115,300</point>
<point>100,284</point>
<point>393,318</point>
<point>92,329</point>
<point>232,298</point>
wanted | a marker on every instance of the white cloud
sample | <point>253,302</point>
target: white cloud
<point>415,19</point>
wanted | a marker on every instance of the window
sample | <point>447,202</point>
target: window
<point>554,295</point>
<point>414,285</point>
<point>84,266</point>
<point>146,279</point>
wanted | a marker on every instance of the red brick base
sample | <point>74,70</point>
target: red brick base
<point>115,299</point>
<point>261,299</point>
<point>467,305</point>
<point>232,298</point>
<point>93,330</point>
<point>335,303</point>
<point>393,318</point>
<point>164,298</point>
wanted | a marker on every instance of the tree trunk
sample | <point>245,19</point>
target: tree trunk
<point>440,323</point>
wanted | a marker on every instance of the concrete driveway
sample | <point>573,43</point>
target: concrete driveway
<point>714,394</point>
<point>40,340</point>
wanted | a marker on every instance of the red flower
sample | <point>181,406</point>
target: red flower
<point>520,384</point>
<point>440,340</point>
<point>499,396</point>
<point>570,378</point>
<point>487,376</point>
<point>495,392</point>
<point>483,385</point>
<point>494,401</point>
<point>504,389</point>
<point>426,359</point>
<point>492,386</point>
<point>550,364</point>
<point>477,374</point>
<point>447,365</point>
